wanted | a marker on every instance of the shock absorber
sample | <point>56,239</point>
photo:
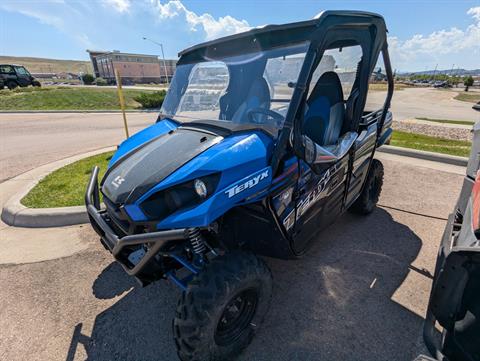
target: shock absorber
<point>196,240</point>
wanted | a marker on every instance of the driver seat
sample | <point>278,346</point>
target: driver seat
<point>325,112</point>
<point>258,97</point>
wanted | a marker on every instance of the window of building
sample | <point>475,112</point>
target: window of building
<point>207,83</point>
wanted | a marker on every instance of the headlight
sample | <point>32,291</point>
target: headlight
<point>200,188</point>
<point>163,203</point>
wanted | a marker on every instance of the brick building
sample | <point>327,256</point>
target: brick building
<point>133,68</point>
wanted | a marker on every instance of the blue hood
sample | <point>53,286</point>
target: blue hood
<point>164,155</point>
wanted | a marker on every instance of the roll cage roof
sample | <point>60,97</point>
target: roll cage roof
<point>331,29</point>
<point>272,36</point>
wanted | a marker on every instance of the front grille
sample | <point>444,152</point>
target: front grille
<point>119,220</point>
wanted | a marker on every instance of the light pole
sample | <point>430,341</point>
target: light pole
<point>163,56</point>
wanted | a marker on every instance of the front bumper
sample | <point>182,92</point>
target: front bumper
<point>122,247</point>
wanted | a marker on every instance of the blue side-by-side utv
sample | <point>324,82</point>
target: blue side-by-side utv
<point>263,140</point>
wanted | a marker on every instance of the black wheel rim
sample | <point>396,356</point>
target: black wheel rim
<point>236,317</point>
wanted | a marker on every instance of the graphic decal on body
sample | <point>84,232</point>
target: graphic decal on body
<point>317,193</point>
<point>252,182</point>
<point>118,181</point>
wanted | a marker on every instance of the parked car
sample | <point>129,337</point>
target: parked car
<point>440,84</point>
<point>12,76</point>
<point>455,297</point>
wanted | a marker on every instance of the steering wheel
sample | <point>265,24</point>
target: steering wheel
<point>270,113</point>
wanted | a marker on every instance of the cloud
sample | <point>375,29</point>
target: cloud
<point>474,12</point>
<point>121,6</point>
<point>212,27</point>
<point>63,15</point>
<point>438,45</point>
<point>84,40</point>
<point>36,11</point>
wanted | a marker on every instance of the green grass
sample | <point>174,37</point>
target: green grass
<point>447,121</point>
<point>470,97</point>
<point>66,186</point>
<point>66,98</point>
<point>384,86</point>
<point>430,144</point>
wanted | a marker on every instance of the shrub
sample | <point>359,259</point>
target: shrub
<point>100,82</point>
<point>87,79</point>
<point>151,100</point>
<point>468,82</point>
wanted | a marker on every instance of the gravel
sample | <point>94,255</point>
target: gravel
<point>434,130</point>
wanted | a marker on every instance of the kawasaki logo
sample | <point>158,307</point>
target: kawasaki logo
<point>248,184</point>
<point>118,181</point>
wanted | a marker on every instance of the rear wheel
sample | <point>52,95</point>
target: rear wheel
<point>12,85</point>
<point>218,314</point>
<point>368,199</point>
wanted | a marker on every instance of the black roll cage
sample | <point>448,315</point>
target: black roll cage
<point>352,27</point>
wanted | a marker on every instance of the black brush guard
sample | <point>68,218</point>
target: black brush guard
<point>119,246</point>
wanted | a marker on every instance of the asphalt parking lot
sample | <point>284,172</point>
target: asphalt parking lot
<point>29,140</point>
<point>360,294</point>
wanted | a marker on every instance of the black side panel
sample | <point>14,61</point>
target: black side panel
<point>463,342</point>
<point>448,289</point>
<point>364,147</point>
<point>140,170</point>
<point>254,228</point>
<point>319,202</point>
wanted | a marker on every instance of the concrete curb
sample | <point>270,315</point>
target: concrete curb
<point>16,214</point>
<point>420,154</point>
<point>76,111</point>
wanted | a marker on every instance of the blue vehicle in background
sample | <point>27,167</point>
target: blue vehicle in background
<point>263,140</point>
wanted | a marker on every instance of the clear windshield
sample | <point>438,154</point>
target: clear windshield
<point>254,89</point>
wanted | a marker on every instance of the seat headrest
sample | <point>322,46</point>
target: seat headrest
<point>329,86</point>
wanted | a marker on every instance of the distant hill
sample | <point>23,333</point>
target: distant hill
<point>42,65</point>
<point>459,72</point>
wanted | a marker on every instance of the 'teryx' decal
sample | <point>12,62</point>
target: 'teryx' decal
<point>248,184</point>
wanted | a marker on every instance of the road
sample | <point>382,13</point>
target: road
<point>410,103</point>
<point>359,294</point>
<point>431,103</point>
<point>30,140</point>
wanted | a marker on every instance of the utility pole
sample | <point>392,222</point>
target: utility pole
<point>435,72</point>
<point>163,56</point>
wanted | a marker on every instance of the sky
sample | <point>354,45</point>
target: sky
<point>421,33</point>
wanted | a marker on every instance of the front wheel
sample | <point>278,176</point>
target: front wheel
<point>366,202</point>
<point>218,314</point>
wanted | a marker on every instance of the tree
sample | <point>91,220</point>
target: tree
<point>468,82</point>
<point>87,79</point>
